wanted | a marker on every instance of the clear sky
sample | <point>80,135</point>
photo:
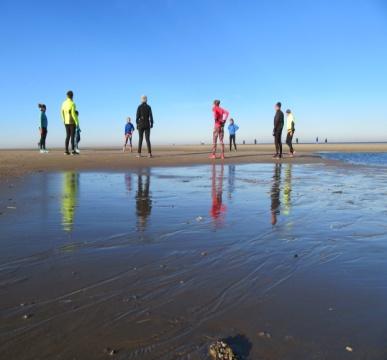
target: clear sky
<point>324,59</point>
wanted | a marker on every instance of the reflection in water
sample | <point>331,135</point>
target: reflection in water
<point>69,199</point>
<point>275,194</point>
<point>231,180</point>
<point>217,209</point>
<point>287,190</point>
<point>128,182</point>
<point>143,199</point>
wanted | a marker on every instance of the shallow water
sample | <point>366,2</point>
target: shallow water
<point>157,263</point>
<point>363,158</point>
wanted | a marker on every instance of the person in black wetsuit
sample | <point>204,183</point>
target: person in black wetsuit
<point>277,131</point>
<point>144,121</point>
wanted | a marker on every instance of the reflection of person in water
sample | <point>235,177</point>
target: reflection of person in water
<point>217,208</point>
<point>143,199</point>
<point>231,180</point>
<point>287,189</point>
<point>275,194</point>
<point>128,182</point>
<point>69,199</point>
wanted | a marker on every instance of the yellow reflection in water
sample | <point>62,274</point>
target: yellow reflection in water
<point>69,199</point>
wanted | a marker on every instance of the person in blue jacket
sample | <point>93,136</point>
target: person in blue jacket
<point>232,129</point>
<point>129,129</point>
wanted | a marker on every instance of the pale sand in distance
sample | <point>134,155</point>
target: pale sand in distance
<point>22,162</point>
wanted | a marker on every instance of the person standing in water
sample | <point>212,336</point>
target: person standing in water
<point>220,117</point>
<point>232,129</point>
<point>43,129</point>
<point>290,121</point>
<point>277,131</point>
<point>70,120</point>
<point>129,129</point>
<point>144,121</point>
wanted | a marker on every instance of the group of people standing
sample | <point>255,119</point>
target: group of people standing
<point>220,119</point>
<point>278,128</point>
<point>144,124</point>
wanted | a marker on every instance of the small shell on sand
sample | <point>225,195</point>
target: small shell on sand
<point>221,351</point>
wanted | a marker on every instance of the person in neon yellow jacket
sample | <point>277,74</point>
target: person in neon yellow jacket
<point>71,122</point>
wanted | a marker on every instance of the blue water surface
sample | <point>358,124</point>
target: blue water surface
<point>358,158</point>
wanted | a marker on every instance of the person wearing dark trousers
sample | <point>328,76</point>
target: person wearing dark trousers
<point>70,120</point>
<point>232,129</point>
<point>290,120</point>
<point>277,131</point>
<point>43,129</point>
<point>144,121</point>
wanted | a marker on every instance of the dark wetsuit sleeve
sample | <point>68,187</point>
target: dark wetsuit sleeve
<point>138,115</point>
<point>150,117</point>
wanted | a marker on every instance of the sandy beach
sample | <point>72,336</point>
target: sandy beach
<point>21,162</point>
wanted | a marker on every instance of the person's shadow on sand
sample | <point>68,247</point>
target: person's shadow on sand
<point>240,345</point>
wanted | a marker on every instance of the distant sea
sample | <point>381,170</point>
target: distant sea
<point>358,158</point>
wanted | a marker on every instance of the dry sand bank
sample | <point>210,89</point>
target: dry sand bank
<point>21,162</point>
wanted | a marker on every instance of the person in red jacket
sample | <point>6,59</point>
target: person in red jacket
<point>220,117</point>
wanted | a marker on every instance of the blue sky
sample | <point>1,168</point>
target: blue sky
<point>324,59</point>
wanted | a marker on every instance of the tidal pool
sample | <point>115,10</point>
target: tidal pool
<point>285,262</point>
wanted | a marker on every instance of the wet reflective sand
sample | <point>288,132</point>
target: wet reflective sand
<point>286,262</point>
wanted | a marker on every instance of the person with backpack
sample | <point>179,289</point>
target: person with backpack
<point>70,120</point>
<point>144,122</point>
<point>290,121</point>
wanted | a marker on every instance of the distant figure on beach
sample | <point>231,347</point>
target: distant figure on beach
<point>232,129</point>
<point>297,141</point>
<point>317,140</point>
<point>275,194</point>
<point>290,121</point>
<point>129,129</point>
<point>144,122</point>
<point>326,141</point>
<point>255,141</point>
<point>220,118</point>
<point>70,120</point>
<point>77,137</point>
<point>43,129</point>
<point>277,131</point>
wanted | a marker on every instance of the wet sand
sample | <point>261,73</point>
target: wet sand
<point>21,162</point>
<point>285,261</point>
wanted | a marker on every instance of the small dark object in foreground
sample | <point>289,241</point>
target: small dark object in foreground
<point>110,352</point>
